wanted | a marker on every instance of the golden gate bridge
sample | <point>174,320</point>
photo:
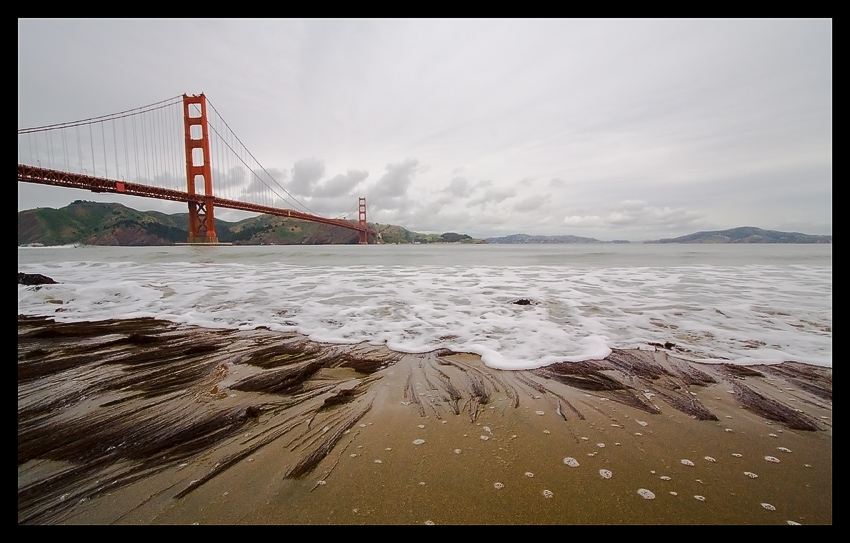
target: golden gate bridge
<point>167,150</point>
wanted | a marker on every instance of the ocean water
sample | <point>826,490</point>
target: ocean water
<point>741,304</point>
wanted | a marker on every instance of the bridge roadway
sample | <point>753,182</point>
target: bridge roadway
<point>45,176</point>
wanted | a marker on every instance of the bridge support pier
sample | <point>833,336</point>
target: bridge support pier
<point>201,210</point>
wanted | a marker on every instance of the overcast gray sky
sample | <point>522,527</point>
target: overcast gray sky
<point>611,129</point>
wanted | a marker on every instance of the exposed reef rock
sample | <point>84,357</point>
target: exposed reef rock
<point>30,279</point>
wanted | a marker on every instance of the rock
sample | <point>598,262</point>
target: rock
<point>34,279</point>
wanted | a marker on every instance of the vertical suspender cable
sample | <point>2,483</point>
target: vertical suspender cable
<point>79,150</point>
<point>126,155</point>
<point>91,141</point>
<point>135,146</point>
<point>115,148</point>
<point>49,139</point>
<point>145,147</point>
<point>105,160</point>
<point>65,149</point>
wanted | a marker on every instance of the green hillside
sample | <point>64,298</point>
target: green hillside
<point>746,234</point>
<point>93,223</point>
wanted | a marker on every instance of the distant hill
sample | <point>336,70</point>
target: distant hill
<point>95,223</point>
<point>746,234</point>
<point>525,238</point>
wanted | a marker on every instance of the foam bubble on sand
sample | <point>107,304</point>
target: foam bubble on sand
<point>379,461</point>
<point>546,432</point>
<point>686,462</point>
<point>768,507</point>
<point>429,522</point>
<point>418,441</point>
<point>606,474</point>
<point>571,462</point>
<point>728,429</point>
<point>548,494</point>
<point>646,494</point>
<point>529,474</point>
<point>772,459</point>
<point>792,523</point>
<point>700,498</point>
<point>642,423</point>
<point>388,449</point>
<point>783,449</point>
<point>457,451</point>
<point>773,435</point>
<point>664,478</point>
<point>710,459</point>
<point>638,434</point>
<point>540,412</point>
<point>750,474</point>
<point>421,425</point>
<point>484,438</point>
<point>737,455</point>
<point>600,445</point>
<point>674,493</point>
<point>584,438</point>
<point>487,429</point>
<point>498,486</point>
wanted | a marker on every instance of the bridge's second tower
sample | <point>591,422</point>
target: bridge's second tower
<point>201,216</point>
<point>361,219</point>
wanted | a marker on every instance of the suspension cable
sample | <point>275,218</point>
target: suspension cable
<point>258,163</point>
<point>102,118</point>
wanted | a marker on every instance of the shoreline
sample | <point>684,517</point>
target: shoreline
<point>144,421</point>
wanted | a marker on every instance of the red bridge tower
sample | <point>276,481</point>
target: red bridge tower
<point>201,215</point>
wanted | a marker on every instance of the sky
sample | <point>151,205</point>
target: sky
<point>633,129</point>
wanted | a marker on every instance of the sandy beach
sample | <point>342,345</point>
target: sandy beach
<point>147,422</point>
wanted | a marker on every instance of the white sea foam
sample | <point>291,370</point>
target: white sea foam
<point>646,494</point>
<point>762,305</point>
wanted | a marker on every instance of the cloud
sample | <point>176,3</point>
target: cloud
<point>340,185</point>
<point>493,195</point>
<point>459,187</point>
<point>635,217</point>
<point>305,176</point>
<point>532,203</point>
<point>390,192</point>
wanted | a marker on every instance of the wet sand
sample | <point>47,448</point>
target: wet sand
<point>146,422</point>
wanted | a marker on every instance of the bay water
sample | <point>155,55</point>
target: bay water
<point>517,306</point>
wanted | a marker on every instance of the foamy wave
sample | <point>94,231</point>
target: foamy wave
<point>750,314</point>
